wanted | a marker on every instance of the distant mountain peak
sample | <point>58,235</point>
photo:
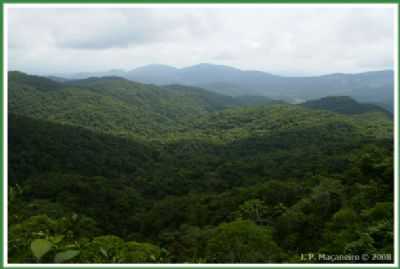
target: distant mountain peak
<point>154,67</point>
<point>210,66</point>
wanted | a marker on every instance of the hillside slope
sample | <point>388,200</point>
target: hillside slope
<point>343,105</point>
<point>112,104</point>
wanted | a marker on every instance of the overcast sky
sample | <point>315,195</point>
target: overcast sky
<point>287,41</point>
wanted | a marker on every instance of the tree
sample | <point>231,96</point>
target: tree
<point>254,210</point>
<point>242,241</point>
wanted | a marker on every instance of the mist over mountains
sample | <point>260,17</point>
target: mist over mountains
<point>370,87</point>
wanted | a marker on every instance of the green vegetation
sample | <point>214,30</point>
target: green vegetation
<point>113,105</point>
<point>104,170</point>
<point>343,105</point>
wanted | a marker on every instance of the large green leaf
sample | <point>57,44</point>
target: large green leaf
<point>40,247</point>
<point>65,256</point>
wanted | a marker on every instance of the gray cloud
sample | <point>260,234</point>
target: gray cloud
<point>278,40</point>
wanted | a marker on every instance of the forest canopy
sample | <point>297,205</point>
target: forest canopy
<point>105,170</point>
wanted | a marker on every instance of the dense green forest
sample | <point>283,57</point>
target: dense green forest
<point>105,170</point>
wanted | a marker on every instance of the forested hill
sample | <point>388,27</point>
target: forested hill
<point>114,105</point>
<point>343,105</point>
<point>123,172</point>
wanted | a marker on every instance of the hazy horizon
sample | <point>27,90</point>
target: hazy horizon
<point>290,41</point>
<point>206,63</point>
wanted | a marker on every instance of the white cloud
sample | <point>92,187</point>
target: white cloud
<point>277,40</point>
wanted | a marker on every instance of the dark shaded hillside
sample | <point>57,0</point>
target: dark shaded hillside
<point>342,105</point>
<point>17,80</point>
<point>37,146</point>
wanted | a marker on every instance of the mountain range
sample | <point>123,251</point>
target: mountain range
<point>130,108</point>
<point>371,87</point>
